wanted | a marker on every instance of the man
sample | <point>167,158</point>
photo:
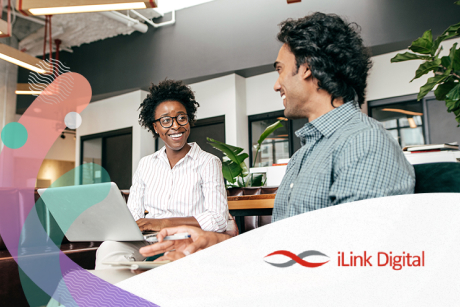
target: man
<point>346,156</point>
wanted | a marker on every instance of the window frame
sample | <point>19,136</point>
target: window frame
<point>270,115</point>
<point>401,99</point>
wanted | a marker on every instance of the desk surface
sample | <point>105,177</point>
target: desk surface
<point>264,201</point>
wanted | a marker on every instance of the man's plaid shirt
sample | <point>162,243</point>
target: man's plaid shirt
<point>345,156</point>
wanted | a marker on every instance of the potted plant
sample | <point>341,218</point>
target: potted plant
<point>234,168</point>
<point>446,69</point>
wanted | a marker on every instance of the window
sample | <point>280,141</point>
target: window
<point>403,117</point>
<point>113,151</point>
<point>279,146</point>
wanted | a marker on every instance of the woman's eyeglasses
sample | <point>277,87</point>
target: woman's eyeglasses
<point>167,121</point>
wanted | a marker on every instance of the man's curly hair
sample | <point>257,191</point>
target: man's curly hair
<point>333,50</point>
<point>165,91</point>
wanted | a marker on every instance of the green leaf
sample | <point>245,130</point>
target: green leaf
<point>407,56</point>
<point>269,130</point>
<point>424,44</point>
<point>452,56</point>
<point>442,90</point>
<point>452,31</point>
<point>426,67</point>
<point>446,62</point>
<point>456,61</point>
<point>453,105</point>
<point>448,33</point>
<point>230,151</point>
<point>454,93</point>
<point>230,170</point>
<point>429,85</point>
<point>437,42</point>
<point>257,180</point>
<point>240,158</point>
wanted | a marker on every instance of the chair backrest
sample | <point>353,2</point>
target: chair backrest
<point>437,177</point>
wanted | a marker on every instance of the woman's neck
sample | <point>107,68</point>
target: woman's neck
<point>175,156</point>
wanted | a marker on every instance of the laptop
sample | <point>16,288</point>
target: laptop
<point>93,212</point>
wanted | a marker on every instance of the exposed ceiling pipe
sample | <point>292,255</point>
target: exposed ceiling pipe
<point>156,25</point>
<point>130,22</point>
<point>33,19</point>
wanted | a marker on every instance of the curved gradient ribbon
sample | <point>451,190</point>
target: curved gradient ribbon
<point>38,256</point>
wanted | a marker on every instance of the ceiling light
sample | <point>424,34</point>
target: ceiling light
<point>403,112</point>
<point>27,92</point>
<point>22,59</point>
<point>24,89</point>
<point>175,5</point>
<point>44,7</point>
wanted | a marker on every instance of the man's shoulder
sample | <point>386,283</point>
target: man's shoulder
<point>362,128</point>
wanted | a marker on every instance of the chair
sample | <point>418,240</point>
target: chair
<point>439,177</point>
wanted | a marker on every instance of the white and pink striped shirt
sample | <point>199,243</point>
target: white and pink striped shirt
<point>193,187</point>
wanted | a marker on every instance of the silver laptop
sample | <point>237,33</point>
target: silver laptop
<point>92,212</point>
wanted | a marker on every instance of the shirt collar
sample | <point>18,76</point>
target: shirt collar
<point>328,123</point>
<point>193,152</point>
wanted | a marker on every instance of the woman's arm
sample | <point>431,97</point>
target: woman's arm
<point>136,193</point>
<point>215,216</point>
<point>158,224</point>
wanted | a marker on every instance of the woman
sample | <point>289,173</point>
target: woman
<point>180,184</point>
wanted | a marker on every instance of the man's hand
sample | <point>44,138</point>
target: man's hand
<point>150,224</point>
<point>199,240</point>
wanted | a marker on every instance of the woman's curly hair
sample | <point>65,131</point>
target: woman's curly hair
<point>333,50</point>
<point>165,91</point>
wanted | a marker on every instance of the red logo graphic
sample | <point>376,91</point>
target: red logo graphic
<point>298,259</point>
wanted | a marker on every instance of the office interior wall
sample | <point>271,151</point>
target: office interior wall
<point>113,114</point>
<point>385,80</point>
<point>225,96</point>
<point>442,125</point>
<point>62,149</point>
<point>237,97</point>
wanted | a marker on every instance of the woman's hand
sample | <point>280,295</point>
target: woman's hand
<point>150,224</point>
<point>199,240</point>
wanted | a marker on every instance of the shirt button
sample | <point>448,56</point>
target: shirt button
<point>292,184</point>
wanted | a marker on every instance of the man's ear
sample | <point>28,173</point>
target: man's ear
<point>304,71</point>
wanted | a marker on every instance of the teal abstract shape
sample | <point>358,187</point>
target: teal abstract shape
<point>14,135</point>
<point>45,235</point>
<point>78,174</point>
<point>67,203</point>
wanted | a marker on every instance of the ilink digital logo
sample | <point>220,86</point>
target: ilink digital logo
<point>395,261</point>
<point>381,259</point>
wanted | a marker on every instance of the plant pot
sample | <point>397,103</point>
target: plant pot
<point>251,191</point>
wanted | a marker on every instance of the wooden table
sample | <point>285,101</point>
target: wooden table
<point>250,205</point>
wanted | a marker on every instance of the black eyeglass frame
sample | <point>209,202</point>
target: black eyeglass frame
<point>172,120</point>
